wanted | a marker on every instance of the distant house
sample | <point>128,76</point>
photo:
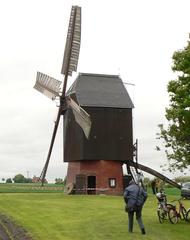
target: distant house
<point>38,180</point>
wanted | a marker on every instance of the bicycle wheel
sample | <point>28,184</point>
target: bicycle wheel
<point>173,217</point>
<point>184,213</point>
<point>188,216</point>
<point>161,215</point>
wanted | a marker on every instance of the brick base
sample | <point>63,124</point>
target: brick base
<point>106,173</point>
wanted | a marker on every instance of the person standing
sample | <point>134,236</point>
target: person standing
<point>157,185</point>
<point>135,197</point>
<point>153,185</point>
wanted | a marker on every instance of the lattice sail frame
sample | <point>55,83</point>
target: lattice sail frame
<point>81,116</point>
<point>72,46</point>
<point>47,85</point>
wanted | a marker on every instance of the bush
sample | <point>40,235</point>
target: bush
<point>9,180</point>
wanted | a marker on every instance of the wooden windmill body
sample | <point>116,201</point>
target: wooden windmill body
<point>95,164</point>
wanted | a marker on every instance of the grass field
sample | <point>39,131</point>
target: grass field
<point>29,188</point>
<point>57,216</point>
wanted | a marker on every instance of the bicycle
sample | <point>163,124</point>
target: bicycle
<point>163,207</point>
<point>174,215</point>
<point>188,215</point>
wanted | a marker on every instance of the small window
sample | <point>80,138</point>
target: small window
<point>112,182</point>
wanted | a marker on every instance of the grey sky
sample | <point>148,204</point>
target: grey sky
<point>135,39</point>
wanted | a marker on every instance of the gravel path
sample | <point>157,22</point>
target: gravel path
<point>10,231</point>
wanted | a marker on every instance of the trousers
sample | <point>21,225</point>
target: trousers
<point>138,217</point>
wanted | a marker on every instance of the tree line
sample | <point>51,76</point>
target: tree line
<point>20,178</point>
<point>175,135</point>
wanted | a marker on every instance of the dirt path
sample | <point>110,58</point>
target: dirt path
<point>10,231</point>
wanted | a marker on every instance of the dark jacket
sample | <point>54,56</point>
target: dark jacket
<point>134,195</point>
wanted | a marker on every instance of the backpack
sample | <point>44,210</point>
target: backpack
<point>142,196</point>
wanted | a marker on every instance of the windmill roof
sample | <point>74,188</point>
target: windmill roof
<point>100,90</point>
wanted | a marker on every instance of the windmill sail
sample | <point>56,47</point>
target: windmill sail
<point>50,86</point>
<point>81,117</point>
<point>72,46</point>
<point>47,85</point>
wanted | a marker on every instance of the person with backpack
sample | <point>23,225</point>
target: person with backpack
<point>135,197</point>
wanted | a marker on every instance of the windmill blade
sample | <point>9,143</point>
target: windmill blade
<point>50,86</point>
<point>72,46</point>
<point>47,85</point>
<point>43,173</point>
<point>81,117</point>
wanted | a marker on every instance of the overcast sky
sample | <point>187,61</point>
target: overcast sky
<point>135,39</point>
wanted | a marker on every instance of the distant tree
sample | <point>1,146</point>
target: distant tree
<point>8,180</point>
<point>182,179</point>
<point>146,181</point>
<point>19,178</point>
<point>176,136</point>
<point>58,181</point>
<point>28,180</point>
<point>65,180</point>
<point>3,179</point>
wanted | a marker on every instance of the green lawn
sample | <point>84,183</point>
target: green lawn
<point>29,187</point>
<point>57,216</point>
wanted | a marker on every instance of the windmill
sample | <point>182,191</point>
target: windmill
<point>52,87</point>
<point>96,155</point>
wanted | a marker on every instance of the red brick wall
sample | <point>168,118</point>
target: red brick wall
<point>103,170</point>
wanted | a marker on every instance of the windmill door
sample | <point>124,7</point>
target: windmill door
<point>91,181</point>
<point>81,185</point>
